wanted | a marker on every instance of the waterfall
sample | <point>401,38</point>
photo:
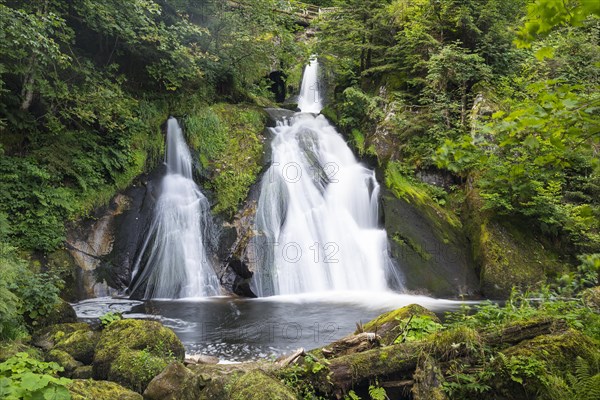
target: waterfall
<point>317,215</point>
<point>173,261</point>
<point>309,100</point>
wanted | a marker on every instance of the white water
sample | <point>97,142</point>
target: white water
<point>317,215</point>
<point>173,262</point>
<point>309,100</point>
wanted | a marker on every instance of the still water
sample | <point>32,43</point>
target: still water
<point>235,329</point>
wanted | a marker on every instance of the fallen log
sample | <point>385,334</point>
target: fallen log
<point>398,362</point>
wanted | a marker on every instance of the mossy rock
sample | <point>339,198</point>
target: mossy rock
<point>62,264</point>
<point>47,337</point>
<point>507,253</point>
<point>133,352</point>
<point>540,361</point>
<point>255,384</point>
<point>81,344</point>
<point>176,382</point>
<point>89,389</point>
<point>62,313</point>
<point>591,298</point>
<point>388,325</point>
<point>9,349</point>
<point>83,372</point>
<point>63,359</point>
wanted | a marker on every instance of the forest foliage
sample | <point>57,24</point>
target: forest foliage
<point>503,95</point>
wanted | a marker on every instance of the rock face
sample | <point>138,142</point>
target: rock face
<point>434,254</point>
<point>133,352</point>
<point>388,325</point>
<point>95,390</point>
<point>90,243</point>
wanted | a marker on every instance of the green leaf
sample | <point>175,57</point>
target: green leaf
<point>545,52</point>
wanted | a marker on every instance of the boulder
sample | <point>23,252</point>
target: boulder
<point>47,337</point>
<point>10,349</point>
<point>63,359</point>
<point>133,352</point>
<point>88,389</point>
<point>176,382</point>
<point>255,384</point>
<point>389,325</point>
<point>61,313</point>
<point>83,372</point>
<point>80,344</point>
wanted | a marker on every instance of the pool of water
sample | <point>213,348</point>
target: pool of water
<point>235,329</point>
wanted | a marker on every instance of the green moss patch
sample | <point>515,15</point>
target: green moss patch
<point>389,325</point>
<point>229,141</point>
<point>95,390</point>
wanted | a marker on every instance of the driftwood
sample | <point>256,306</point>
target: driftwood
<point>352,344</point>
<point>397,362</point>
<point>286,360</point>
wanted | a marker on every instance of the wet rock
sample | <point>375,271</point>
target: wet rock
<point>95,390</point>
<point>429,246</point>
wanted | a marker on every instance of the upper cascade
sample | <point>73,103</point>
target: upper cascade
<point>173,261</point>
<point>317,215</point>
<point>310,100</point>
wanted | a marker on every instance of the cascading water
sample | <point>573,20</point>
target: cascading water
<point>309,100</point>
<point>317,216</point>
<point>173,262</point>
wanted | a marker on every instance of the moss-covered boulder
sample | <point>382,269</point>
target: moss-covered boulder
<point>80,344</point>
<point>63,359</point>
<point>176,382</point>
<point>47,337</point>
<point>389,324</point>
<point>253,385</point>
<point>133,352</point>
<point>9,349</point>
<point>538,368</point>
<point>61,313</point>
<point>88,389</point>
<point>83,372</point>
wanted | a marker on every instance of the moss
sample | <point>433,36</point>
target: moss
<point>46,338</point>
<point>538,368</point>
<point>258,385</point>
<point>95,390</point>
<point>81,344</point>
<point>387,325</point>
<point>134,351</point>
<point>508,254</point>
<point>135,369</point>
<point>229,141</point>
<point>62,313</point>
<point>83,372</point>
<point>460,341</point>
<point>9,349</point>
<point>176,382</point>
<point>63,359</point>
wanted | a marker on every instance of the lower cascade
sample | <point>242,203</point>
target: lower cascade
<point>173,261</point>
<point>317,215</point>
